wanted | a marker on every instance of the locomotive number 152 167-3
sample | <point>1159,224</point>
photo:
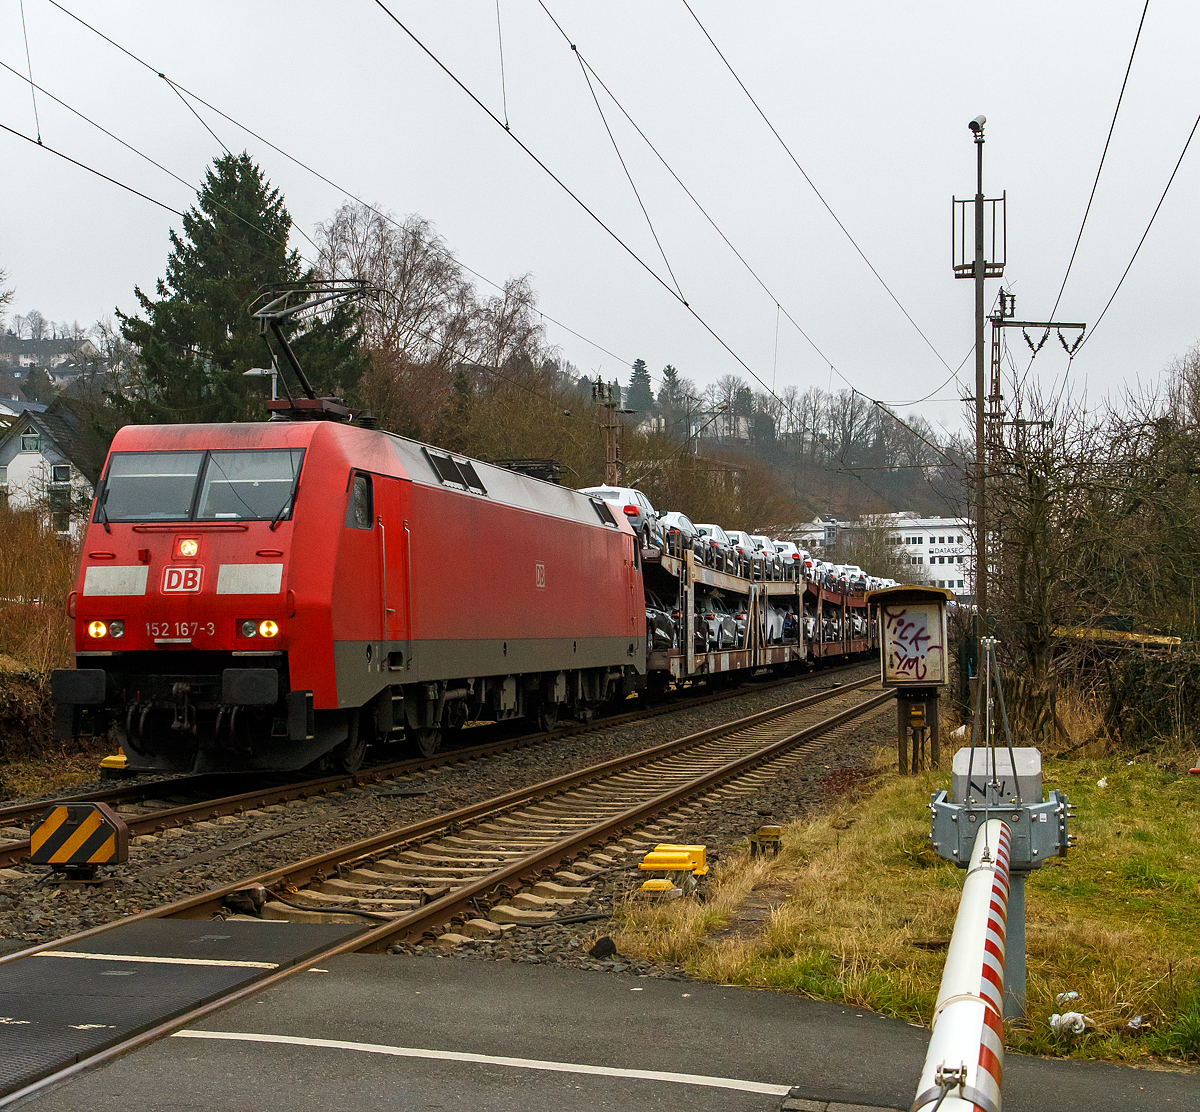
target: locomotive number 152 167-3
<point>180,629</point>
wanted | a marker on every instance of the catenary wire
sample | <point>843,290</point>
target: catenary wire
<point>629,177</point>
<point>679,181</point>
<point>89,169</point>
<point>29,62</point>
<point>392,220</point>
<point>575,197</point>
<point>812,185</point>
<point>741,258</point>
<point>158,165</point>
<point>503,83</point>
<point>1095,183</point>
<point>317,173</point>
<point>1103,156</point>
<point>465,360</point>
<point>1136,250</point>
<point>191,108</point>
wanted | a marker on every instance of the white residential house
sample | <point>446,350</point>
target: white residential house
<point>40,455</point>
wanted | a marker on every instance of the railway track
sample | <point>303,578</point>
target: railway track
<point>469,868</point>
<point>145,810</point>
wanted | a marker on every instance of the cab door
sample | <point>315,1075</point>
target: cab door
<point>395,553</point>
<point>358,582</point>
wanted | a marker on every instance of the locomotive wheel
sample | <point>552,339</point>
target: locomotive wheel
<point>429,740</point>
<point>349,756</point>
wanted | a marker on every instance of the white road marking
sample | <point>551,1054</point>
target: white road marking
<point>494,1060</point>
<point>156,961</point>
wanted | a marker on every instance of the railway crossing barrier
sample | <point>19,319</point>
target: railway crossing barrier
<point>1000,781</point>
<point>965,1060</point>
<point>995,824</point>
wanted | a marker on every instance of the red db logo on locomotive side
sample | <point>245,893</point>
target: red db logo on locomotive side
<point>178,580</point>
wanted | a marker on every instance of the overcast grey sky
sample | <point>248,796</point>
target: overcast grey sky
<point>873,98</point>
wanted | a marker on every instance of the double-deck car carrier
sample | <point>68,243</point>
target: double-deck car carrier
<point>779,622</point>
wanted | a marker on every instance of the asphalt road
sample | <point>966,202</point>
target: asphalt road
<point>378,1032</point>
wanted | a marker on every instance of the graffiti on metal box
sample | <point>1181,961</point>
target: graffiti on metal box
<point>913,644</point>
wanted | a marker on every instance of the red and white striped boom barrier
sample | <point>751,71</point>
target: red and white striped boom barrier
<point>965,1061</point>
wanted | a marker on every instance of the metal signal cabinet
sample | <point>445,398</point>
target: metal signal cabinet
<point>914,644</point>
<point>914,659</point>
<point>404,590</point>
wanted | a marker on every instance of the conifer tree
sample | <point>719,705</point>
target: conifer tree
<point>640,397</point>
<point>195,340</point>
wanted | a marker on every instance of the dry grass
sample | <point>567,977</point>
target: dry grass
<point>52,772</point>
<point>1080,714</point>
<point>1115,922</point>
<point>37,572</point>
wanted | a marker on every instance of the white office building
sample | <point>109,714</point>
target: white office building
<point>944,547</point>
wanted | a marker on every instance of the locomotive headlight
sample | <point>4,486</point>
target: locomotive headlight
<point>97,629</point>
<point>268,628</point>
<point>189,547</point>
<point>116,628</point>
<point>249,629</point>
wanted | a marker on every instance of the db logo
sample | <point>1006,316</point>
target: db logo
<point>539,573</point>
<point>180,580</point>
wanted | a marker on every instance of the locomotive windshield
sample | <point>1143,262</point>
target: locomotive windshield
<point>254,485</point>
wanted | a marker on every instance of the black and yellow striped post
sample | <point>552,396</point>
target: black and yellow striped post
<point>76,837</point>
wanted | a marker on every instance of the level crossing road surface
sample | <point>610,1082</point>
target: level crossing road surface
<point>423,1032</point>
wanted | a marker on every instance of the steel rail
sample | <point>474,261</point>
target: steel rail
<point>322,865</point>
<point>378,938</point>
<point>185,814</point>
<point>459,900</point>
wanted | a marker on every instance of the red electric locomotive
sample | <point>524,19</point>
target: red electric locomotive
<point>261,596</point>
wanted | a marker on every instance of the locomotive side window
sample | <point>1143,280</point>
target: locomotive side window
<point>360,514</point>
<point>249,486</point>
<point>150,486</point>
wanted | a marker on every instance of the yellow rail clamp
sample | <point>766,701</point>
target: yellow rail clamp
<point>78,837</point>
<point>661,889</point>
<point>764,837</point>
<point>115,767</point>
<point>666,857</point>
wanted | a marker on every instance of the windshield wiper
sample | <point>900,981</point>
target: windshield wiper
<point>288,503</point>
<point>103,512</point>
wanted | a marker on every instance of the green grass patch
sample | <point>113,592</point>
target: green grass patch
<point>870,908</point>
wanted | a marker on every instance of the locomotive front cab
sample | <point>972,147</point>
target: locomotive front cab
<point>183,615</point>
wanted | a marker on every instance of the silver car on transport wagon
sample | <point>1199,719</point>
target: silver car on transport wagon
<point>636,506</point>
